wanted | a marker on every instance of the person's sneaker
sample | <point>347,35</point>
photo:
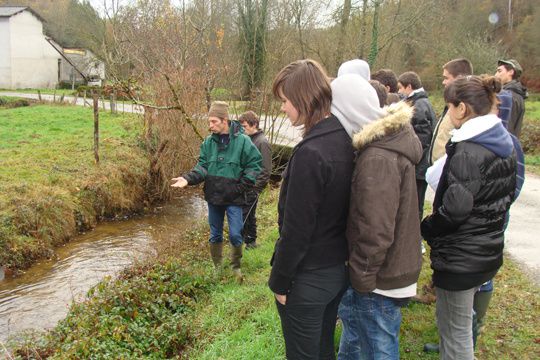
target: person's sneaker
<point>423,248</point>
<point>431,347</point>
<point>251,245</point>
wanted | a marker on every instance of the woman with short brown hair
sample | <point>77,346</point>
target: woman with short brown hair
<point>308,274</point>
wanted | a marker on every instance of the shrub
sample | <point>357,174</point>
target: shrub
<point>17,103</point>
<point>530,138</point>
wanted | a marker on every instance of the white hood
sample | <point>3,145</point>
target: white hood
<point>354,102</point>
<point>356,66</point>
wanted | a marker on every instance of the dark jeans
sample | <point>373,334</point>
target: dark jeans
<point>308,318</point>
<point>250,221</point>
<point>421,187</point>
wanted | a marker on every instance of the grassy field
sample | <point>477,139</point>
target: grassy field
<point>178,308</point>
<point>50,187</point>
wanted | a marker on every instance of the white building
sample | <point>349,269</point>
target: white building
<point>85,62</point>
<point>29,59</point>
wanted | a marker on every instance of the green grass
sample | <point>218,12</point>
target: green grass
<point>50,186</point>
<point>55,138</point>
<point>224,320</point>
<point>532,108</point>
<point>532,164</point>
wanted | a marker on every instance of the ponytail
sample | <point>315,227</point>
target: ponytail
<point>477,92</point>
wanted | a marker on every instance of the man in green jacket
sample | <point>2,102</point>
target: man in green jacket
<point>228,164</point>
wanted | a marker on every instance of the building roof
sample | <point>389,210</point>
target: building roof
<point>9,11</point>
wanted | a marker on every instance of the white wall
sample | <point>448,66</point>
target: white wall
<point>34,62</point>
<point>5,54</point>
<point>88,64</point>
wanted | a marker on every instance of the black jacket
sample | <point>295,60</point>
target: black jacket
<point>313,204</point>
<point>519,94</point>
<point>466,229</point>
<point>423,122</point>
<point>262,144</point>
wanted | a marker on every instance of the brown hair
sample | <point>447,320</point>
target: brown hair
<point>478,93</point>
<point>386,77</point>
<point>382,94</point>
<point>306,85</point>
<point>250,117</point>
<point>459,67</point>
<point>410,78</point>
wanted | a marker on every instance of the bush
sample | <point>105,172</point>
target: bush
<point>67,84</point>
<point>17,103</point>
<point>142,314</point>
<point>530,138</point>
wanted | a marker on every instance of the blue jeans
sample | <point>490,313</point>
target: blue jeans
<point>216,215</point>
<point>370,326</point>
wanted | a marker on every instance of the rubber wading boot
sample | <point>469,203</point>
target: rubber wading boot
<point>236,256</point>
<point>216,251</point>
<point>480,306</point>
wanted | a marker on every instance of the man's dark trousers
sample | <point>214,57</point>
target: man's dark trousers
<point>249,232</point>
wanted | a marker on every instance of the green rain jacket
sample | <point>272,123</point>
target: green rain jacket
<point>228,170</point>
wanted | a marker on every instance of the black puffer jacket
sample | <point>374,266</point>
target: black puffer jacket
<point>475,191</point>
<point>313,204</point>
<point>423,122</point>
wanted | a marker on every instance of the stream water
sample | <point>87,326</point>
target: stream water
<point>41,296</point>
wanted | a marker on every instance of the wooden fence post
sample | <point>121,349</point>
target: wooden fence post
<point>96,127</point>
<point>113,102</point>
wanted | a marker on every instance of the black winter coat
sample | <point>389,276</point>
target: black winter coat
<point>423,122</point>
<point>313,204</point>
<point>466,229</point>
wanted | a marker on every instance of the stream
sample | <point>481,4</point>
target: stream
<point>42,295</point>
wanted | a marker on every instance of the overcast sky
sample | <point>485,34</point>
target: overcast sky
<point>98,4</point>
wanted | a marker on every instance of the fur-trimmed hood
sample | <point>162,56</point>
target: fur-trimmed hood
<point>393,132</point>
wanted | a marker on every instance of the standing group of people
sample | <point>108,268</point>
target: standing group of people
<point>351,200</point>
<point>351,203</point>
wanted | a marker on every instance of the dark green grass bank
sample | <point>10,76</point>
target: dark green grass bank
<point>178,308</point>
<point>50,187</point>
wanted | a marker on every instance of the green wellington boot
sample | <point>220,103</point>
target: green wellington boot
<point>216,251</point>
<point>236,256</point>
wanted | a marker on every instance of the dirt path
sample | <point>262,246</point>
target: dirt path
<point>120,107</point>
<point>523,233</point>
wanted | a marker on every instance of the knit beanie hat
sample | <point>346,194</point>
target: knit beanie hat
<point>356,66</point>
<point>219,109</point>
<point>354,102</point>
